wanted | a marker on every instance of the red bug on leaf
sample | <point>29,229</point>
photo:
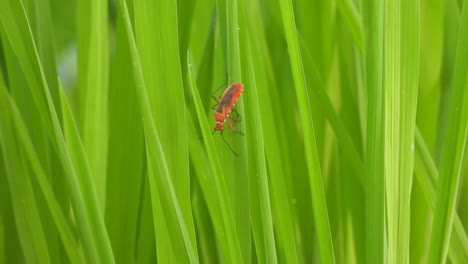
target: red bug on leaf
<point>224,108</point>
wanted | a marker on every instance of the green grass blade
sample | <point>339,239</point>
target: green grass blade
<point>93,70</point>
<point>237,169</point>
<point>149,42</point>
<point>261,215</point>
<point>391,123</point>
<point>224,223</point>
<point>158,46</point>
<point>453,150</point>
<point>401,33</point>
<point>410,37</point>
<point>79,166</point>
<point>125,167</point>
<point>63,226</point>
<point>91,223</point>
<point>25,209</point>
<point>313,163</point>
<point>160,183</point>
<point>375,195</point>
<point>283,210</point>
<point>350,13</point>
<point>427,174</point>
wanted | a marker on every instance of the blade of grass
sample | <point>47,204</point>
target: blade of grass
<point>283,210</point>
<point>158,46</point>
<point>224,222</point>
<point>93,70</point>
<point>261,216</point>
<point>313,163</point>
<point>28,222</point>
<point>161,183</point>
<point>83,197</point>
<point>375,189</point>
<point>350,13</point>
<point>63,226</point>
<point>427,174</point>
<point>146,242</point>
<point>401,33</point>
<point>40,19</point>
<point>126,157</point>
<point>149,49</point>
<point>237,169</point>
<point>392,88</point>
<point>410,39</point>
<point>205,222</point>
<point>453,150</point>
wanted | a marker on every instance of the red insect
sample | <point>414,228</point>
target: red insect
<point>225,107</point>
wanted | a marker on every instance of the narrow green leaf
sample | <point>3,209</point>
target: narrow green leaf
<point>27,218</point>
<point>86,210</point>
<point>453,150</point>
<point>401,33</point>
<point>156,34</point>
<point>93,70</point>
<point>261,215</point>
<point>224,225</point>
<point>161,183</point>
<point>349,11</point>
<point>236,169</point>
<point>313,164</point>
<point>410,41</point>
<point>125,163</point>
<point>283,210</point>
<point>63,226</point>
<point>427,174</point>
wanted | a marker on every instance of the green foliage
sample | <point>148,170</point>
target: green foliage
<point>107,152</point>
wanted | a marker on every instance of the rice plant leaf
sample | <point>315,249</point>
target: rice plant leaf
<point>224,223</point>
<point>126,159</point>
<point>283,211</point>
<point>161,183</point>
<point>157,38</point>
<point>261,213</point>
<point>93,71</point>
<point>401,33</point>
<point>18,32</point>
<point>453,150</point>
<point>350,13</point>
<point>236,169</point>
<point>427,176</point>
<point>63,226</point>
<point>313,164</point>
<point>25,208</point>
<point>410,50</point>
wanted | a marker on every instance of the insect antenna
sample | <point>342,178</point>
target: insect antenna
<point>229,146</point>
<point>223,85</point>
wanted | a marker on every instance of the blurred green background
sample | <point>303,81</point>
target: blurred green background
<point>355,114</point>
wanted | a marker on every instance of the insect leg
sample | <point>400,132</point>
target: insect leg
<point>216,100</point>
<point>233,129</point>
<point>238,118</point>
<point>229,146</point>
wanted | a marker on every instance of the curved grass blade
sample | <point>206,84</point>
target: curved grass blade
<point>225,226</point>
<point>93,72</point>
<point>83,196</point>
<point>65,230</point>
<point>375,194</point>
<point>327,254</point>
<point>28,222</point>
<point>161,183</point>
<point>427,174</point>
<point>453,150</point>
<point>260,201</point>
